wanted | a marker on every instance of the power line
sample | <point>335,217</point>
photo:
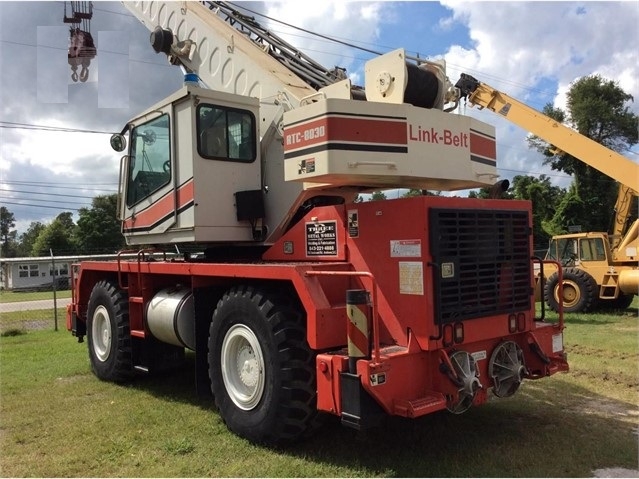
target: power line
<point>72,186</point>
<point>68,202</point>
<point>49,183</point>
<point>31,126</point>
<point>98,51</point>
<point>41,206</point>
<point>42,193</point>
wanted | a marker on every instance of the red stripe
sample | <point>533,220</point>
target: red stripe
<point>368,131</point>
<point>482,146</point>
<point>336,128</point>
<point>161,208</point>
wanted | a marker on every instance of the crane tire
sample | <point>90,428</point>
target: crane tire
<point>261,368</point>
<point>580,291</point>
<point>110,350</point>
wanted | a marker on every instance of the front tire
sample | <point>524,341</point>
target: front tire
<point>580,291</point>
<point>261,368</point>
<point>108,336</point>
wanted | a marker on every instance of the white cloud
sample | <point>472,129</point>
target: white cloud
<point>521,42</point>
<point>348,21</point>
<point>533,51</point>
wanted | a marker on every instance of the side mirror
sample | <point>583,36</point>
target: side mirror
<point>118,142</point>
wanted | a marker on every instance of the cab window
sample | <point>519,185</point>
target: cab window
<point>150,162</point>
<point>563,250</point>
<point>226,134</point>
<point>592,249</point>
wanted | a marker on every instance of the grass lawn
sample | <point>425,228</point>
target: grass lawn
<point>13,322</point>
<point>14,296</point>
<point>58,420</point>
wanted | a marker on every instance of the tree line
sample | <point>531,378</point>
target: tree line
<point>596,108</point>
<point>97,231</point>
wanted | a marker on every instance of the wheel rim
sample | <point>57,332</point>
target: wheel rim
<point>506,368</point>
<point>101,333</point>
<point>242,367</point>
<point>571,294</point>
<point>466,372</point>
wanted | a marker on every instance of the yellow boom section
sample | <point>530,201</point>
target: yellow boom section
<point>607,161</point>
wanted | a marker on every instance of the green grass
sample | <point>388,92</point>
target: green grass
<point>603,350</point>
<point>14,296</point>
<point>58,420</point>
<point>31,320</point>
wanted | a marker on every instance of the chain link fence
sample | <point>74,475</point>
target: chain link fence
<point>34,293</point>
<point>25,311</point>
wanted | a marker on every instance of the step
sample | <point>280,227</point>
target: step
<point>421,406</point>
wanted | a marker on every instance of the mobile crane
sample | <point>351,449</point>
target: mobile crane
<point>295,299</point>
<point>599,267</point>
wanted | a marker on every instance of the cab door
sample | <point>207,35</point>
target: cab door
<point>148,193</point>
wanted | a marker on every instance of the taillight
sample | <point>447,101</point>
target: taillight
<point>459,332</point>
<point>512,323</point>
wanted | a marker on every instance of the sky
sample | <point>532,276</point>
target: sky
<point>529,50</point>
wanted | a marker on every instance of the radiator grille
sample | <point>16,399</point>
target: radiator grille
<point>481,262</point>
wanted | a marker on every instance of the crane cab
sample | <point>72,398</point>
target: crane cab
<point>192,170</point>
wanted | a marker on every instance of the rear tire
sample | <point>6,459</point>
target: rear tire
<point>261,368</point>
<point>108,334</point>
<point>580,292</point>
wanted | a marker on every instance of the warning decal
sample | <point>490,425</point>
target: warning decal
<point>406,248</point>
<point>321,238</point>
<point>411,277</point>
<point>353,223</point>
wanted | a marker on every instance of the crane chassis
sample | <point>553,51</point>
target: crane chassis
<point>291,298</point>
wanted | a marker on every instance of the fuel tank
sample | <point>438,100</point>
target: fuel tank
<point>169,317</point>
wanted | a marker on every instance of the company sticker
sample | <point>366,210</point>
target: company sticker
<point>321,238</point>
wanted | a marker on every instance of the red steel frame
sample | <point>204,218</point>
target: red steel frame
<point>406,351</point>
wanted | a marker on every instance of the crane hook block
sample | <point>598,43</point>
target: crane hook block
<point>161,40</point>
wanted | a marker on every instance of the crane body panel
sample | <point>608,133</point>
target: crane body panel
<point>296,298</point>
<point>383,145</point>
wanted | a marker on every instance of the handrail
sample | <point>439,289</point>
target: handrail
<point>140,256</point>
